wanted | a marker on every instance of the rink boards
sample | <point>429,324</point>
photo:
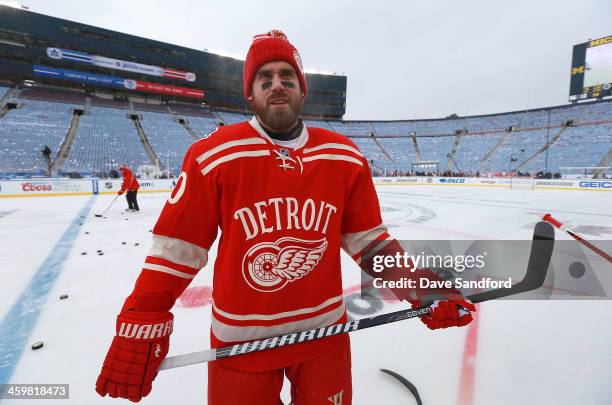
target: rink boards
<point>68,187</point>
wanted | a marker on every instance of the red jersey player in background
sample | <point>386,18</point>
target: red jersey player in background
<point>131,185</point>
<point>286,198</point>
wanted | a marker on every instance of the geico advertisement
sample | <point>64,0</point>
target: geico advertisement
<point>595,184</point>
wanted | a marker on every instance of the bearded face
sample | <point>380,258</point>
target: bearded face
<point>276,96</point>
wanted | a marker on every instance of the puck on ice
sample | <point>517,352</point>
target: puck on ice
<point>136,244</point>
<point>63,296</point>
<point>100,253</point>
<point>83,253</point>
<point>37,345</point>
<point>123,243</point>
<point>99,250</point>
<point>86,233</point>
<point>150,230</point>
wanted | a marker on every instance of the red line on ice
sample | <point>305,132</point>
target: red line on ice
<point>467,380</point>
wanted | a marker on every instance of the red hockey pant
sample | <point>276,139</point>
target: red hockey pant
<point>324,380</point>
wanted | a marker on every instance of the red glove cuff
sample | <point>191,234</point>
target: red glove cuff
<point>144,326</point>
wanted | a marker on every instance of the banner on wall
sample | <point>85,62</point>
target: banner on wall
<point>110,63</point>
<point>114,82</point>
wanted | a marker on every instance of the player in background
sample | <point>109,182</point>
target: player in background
<point>286,199</point>
<point>129,186</point>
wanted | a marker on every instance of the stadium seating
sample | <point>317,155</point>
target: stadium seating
<point>26,130</point>
<point>232,118</point>
<point>3,91</point>
<point>202,126</point>
<point>168,138</point>
<point>106,138</point>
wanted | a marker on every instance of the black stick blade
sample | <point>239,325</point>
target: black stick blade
<point>539,259</point>
<point>411,387</point>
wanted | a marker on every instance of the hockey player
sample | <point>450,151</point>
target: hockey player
<point>131,185</point>
<point>286,199</point>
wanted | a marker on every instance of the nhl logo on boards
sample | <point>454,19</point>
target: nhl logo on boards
<point>270,266</point>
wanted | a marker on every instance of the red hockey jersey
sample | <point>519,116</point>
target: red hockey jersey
<point>283,215</point>
<point>130,183</point>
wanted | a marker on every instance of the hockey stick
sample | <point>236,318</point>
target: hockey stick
<point>411,387</point>
<point>539,259</point>
<point>549,218</point>
<point>107,208</point>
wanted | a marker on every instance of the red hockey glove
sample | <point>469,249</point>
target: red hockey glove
<point>119,192</point>
<point>136,352</point>
<point>447,313</point>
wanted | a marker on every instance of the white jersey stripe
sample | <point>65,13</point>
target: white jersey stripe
<point>231,333</point>
<point>260,317</point>
<point>334,146</point>
<point>332,157</point>
<point>164,269</point>
<point>232,156</point>
<point>353,243</point>
<point>227,145</point>
<point>178,251</point>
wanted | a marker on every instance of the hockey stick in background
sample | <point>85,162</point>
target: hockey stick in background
<point>411,387</point>
<point>549,218</point>
<point>539,259</point>
<point>107,208</point>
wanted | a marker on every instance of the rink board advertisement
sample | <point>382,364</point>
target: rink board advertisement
<point>42,187</point>
<point>108,186</point>
<point>49,187</point>
<point>509,183</point>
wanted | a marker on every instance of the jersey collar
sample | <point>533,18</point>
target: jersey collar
<point>302,139</point>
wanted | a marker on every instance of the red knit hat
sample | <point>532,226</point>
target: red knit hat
<point>271,47</point>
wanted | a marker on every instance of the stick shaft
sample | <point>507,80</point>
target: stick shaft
<point>549,218</point>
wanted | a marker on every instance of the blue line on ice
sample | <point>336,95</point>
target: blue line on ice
<point>17,325</point>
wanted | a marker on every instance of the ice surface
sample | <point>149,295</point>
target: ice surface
<point>526,352</point>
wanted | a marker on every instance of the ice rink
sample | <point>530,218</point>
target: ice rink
<point>516,352</point>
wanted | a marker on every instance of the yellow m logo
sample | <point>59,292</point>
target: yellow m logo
<point>577,70</point>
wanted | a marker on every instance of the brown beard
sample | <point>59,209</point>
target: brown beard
<point>281,120</point>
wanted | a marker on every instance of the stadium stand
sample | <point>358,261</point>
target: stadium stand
<point>231,118</point>
<point>26,130</point>
<point>168,138</point>
<point>202,126</point>
<point>105,138</point>
<point>3,90</point>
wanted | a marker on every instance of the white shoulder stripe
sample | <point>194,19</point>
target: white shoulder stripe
<point>227,145</point>
<point>164,269</point>
<point>334,146</point>
<point>178,251</point>
<point>353,243</point>
<point>279,315</point>
<point>332,157</point>
<point>232,156</point>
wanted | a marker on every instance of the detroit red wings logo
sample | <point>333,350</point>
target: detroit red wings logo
<point>270,266</point>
